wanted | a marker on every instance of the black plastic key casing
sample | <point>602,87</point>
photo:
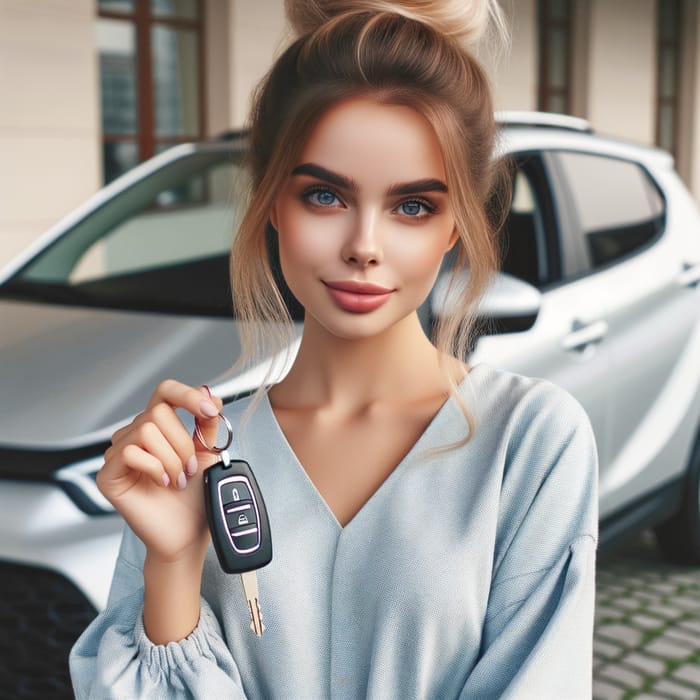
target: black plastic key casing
<point>237,517</point>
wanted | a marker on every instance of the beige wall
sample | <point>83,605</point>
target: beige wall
<point>514,75</point>
<point>259,31</point>
<point>217,87</point>
<point>622,68</point>
<point>49,128</point>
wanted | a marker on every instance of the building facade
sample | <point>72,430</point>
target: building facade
<point>88,88</point>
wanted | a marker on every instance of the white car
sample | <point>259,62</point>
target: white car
<point>600,293</point>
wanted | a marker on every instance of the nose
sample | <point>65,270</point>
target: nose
<point>363,246</point>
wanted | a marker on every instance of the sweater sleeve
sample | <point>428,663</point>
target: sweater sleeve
<point>538,630</point>
<point>114,658</point>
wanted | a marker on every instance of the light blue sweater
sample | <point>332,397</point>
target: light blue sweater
<point>468,574</point>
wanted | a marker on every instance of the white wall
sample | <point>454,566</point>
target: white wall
<point>49,115</point>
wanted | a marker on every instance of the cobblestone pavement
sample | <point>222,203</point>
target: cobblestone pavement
<point>647,632</point>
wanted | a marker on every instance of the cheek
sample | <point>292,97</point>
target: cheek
<point>304,241</point>
<point>420,261</point>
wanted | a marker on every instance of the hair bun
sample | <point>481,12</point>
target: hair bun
<point>467,21</point>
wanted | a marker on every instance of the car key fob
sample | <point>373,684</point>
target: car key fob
<point>237,516</point>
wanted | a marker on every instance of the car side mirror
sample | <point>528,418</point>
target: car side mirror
<point>509,305</point>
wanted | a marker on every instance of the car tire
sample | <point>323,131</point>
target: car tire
<point>679,536</point>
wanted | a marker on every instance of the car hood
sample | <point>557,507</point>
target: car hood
<point>68,372</point>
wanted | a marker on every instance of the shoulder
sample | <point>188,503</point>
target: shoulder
<point>539,443</point>
<point>516,405</point>
<point>549,457</point>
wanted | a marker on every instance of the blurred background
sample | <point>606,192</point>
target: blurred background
<point>90,88</point>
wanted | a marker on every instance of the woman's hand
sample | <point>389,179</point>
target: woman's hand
<point>153,473</point>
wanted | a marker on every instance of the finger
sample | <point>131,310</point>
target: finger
<point>170,425</point>
<point>118,434</point>
<point>206,391</point>
<point>127,459</point>
<point>208,427</point>
<point>148,437</point>
<point>184,396</point>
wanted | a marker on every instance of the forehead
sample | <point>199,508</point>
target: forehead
<point>360,136</point>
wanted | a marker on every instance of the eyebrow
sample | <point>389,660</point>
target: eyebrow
<point>346,183</point>
<point>329,176</point>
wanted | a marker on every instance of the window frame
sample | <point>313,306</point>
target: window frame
<point>676,45</point>
<point>545,23</point>
<point>143,21</point>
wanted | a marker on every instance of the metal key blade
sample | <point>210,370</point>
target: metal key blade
<point>249,580</point>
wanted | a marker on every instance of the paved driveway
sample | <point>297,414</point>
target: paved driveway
<point>647,636</point>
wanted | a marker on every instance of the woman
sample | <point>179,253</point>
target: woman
<point>434,524</point>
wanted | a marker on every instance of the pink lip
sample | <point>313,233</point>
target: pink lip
<point>357,297</point>
<point>358,287</point>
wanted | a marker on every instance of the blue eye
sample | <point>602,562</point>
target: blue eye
<point>415,208</point>
<point>322,198</point>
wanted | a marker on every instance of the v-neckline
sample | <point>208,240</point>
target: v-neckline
<point>376,494</point>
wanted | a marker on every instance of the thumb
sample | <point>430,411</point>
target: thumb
<point>208,427</point>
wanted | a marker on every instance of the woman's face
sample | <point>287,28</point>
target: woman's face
<point>365,218</point>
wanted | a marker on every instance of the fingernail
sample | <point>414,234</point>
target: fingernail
<point>181,481</point>
<point>191,465</point>
<point>208,409</point>
<point>166,479</point>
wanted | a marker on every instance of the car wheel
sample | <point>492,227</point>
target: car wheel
<point>679,536</point>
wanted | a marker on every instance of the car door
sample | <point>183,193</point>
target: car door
<point>622,221</point>
<point>567,342</point>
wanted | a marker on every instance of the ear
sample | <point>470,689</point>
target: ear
<point>454,237</point>
<point>273,215</point>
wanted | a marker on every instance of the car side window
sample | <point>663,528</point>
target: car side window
<point>529,248</point>
<point>617,208</point>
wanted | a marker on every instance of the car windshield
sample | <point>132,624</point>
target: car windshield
<point>160,244</point>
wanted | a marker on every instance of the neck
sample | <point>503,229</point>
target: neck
<point>400,363</point>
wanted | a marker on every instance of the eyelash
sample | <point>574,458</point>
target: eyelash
<point>306,195</point>
<point>317,189</point>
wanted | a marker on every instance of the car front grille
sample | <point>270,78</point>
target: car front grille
<point>41,616</point>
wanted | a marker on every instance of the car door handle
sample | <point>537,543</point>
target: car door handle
<point>583,335</point>
<point>690,275</point>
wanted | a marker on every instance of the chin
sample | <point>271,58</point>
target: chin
<point>358,326</point>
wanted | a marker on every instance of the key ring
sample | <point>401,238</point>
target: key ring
<point>229,439</point>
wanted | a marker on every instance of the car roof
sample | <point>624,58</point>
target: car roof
<point>537,131</point>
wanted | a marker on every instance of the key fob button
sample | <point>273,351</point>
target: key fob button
<point>239,514</point>
<point>245,539</point>
<point>234,492</point>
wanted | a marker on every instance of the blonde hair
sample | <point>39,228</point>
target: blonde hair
<point>399,53</point>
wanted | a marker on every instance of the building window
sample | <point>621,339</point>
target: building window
<point>151,78</point>
<point>668,68</point>
<point>555,32</point>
